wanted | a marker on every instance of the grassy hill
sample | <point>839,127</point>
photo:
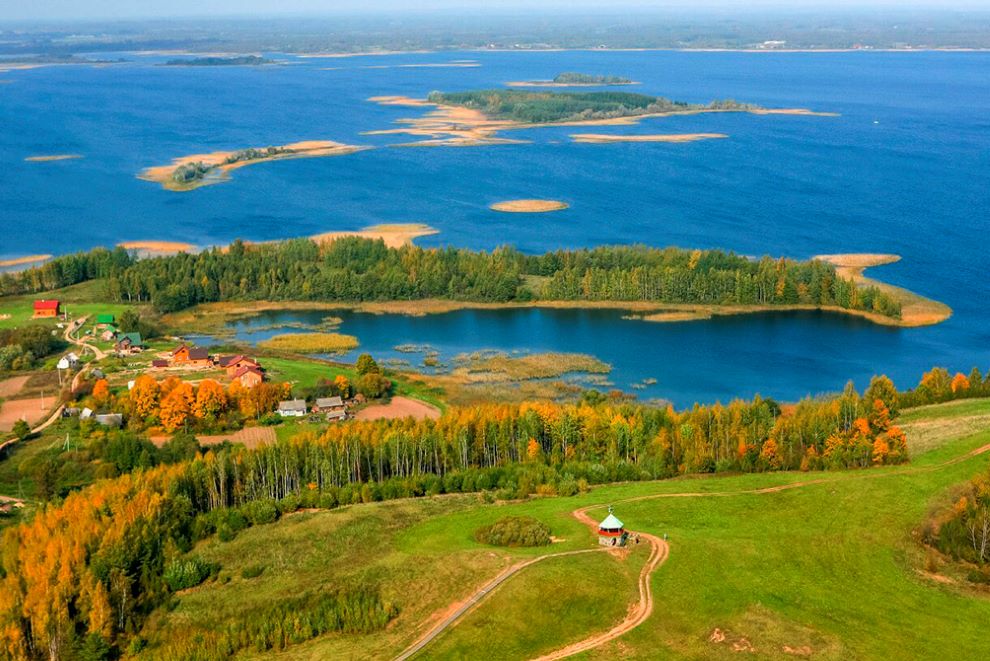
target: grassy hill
<point>826,566</point>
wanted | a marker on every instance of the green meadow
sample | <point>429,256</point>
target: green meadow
<point>828,567</point>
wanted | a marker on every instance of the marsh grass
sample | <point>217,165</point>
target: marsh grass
<point>311,343</point>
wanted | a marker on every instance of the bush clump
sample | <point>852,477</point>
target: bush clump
<point>514,531</point>
<point>184,573</point>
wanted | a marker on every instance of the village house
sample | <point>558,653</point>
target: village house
<point>234,364</point>
<point>249,376</point>
<point>103,320</point>
<point>108,334</point>
<point>611,531</point>
<point>159,364</point>
<point>128,343</point>
<point>332,407</point>
<point>292,408</point>
<point>44,308</point>
<point>192,357</point>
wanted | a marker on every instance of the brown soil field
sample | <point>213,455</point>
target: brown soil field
<point>399,407</point>
<point>12,386</point>
<point>250,437</point>
<point>29,409</point>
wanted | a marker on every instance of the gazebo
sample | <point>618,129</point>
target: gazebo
<point>611,531</point>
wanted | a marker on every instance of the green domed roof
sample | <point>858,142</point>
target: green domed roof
<point>610,522</point>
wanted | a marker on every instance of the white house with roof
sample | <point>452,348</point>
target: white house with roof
<point>292,408</point>
<point>611,531</point>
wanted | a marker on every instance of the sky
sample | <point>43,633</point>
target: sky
<point>137,9</point>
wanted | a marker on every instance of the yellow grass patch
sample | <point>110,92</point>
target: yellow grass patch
<point>311,342</point>
<point>529,206</point>
<point>503,367</point>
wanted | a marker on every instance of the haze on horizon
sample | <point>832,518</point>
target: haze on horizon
<point>58,10</point>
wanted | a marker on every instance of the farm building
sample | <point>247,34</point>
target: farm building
<point>44,308</point>
<point>292,408</point>
<point>611,531</point>
<point>234,364</point>
<point>105,319</point>
<point>333,407</point>
<point>129,343</point>
<point>186,356</point>
<point>159,364</point>
<point>249,376</point>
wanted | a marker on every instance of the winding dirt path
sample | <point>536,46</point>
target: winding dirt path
<point>659,552</point>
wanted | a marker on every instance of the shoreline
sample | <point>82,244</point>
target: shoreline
<point>916,310</point>
<point>157,248</point>
<point>26,260</point>
<point>220,169</point>
<point>606,138</point>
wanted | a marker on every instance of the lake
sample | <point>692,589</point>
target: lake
<point>903,169</point>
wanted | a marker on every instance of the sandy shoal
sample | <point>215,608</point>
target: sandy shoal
<point>52,157</point>
<point>528,206</point>
<point>21,261</point>
<point>157,247</point>
<point>394,236</point>
<point>916,310</point>
<point>601,138</point>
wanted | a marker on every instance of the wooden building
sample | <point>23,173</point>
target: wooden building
<point>192,357</point>
<point>45,308</point>
<point>249,376</point>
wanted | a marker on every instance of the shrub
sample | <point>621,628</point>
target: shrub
<point>252,571</point>
<point>259,512</point>
<point>514,531</point>
<point>184,573</point>
<point>373,385</point>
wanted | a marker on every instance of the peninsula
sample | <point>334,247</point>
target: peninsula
<point>571,79</point>
<point>188,172</point>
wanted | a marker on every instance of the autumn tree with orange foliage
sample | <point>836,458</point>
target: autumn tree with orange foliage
<point>177,406</point>
<point>211,400</point>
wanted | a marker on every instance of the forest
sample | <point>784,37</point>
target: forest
<point>573,78</point>
<point>86,571</point>
<point>545,107</point>
<point>355,269</point>
<point>65,270</point>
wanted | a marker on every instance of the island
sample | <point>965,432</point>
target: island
<point>477,117</point>
<point>571,79</point>
<point>528,206</point>
<point>190,172</point>
<point>48,158</point>
<point>604,138</point>
<point>238,61</point>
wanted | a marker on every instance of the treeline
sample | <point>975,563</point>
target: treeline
<point>938,385</point>
<point>962,531</point>
<point>355,269</point>
<point>20,348</point>
<point>545,107</point>
<point>574,78</point>
<point>65,270</point>
<point>88,571</point>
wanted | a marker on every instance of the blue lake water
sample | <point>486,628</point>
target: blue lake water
<point>904,169</point>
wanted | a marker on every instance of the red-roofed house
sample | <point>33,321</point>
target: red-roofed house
<point>249,376</point>
<point>234,364</point>
<point>45,308</point>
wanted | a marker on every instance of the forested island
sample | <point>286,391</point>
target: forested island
<point>238,61</point>
<point>353,269</point>
<point>549,107</point>
<point>189,172</point>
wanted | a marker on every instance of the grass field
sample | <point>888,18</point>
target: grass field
<point>829,569</point>
<point>77,300</point>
